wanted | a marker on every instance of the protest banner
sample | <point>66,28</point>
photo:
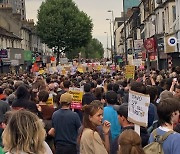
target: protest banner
<point>130,71</point>
<point>41,71</point>
<point>138,109</point>
<point>77,97</point>
<point>80,69</point>
<point>50,100</point>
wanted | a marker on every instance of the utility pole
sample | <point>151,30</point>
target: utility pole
<point>107,42</point>
<point>125,43</point>
<point>114,38</point>
<point>111,39</point>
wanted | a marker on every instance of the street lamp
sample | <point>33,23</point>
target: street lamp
<point>107,42</point>
<point>125,43</point>
<point>111,38</point>
<point>111,11</point>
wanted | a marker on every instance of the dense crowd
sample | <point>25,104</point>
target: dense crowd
<point>30,125</point>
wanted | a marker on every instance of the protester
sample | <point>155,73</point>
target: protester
<point>25,133</point>
<point>88,97</point>
<point>130,143</point>
<point>65,125</point>
<point>125,124</point>
<point>110,114</point>
<point>90,140</point>
<point>168,112</point>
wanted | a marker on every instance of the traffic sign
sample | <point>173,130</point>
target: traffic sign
<point>172,41</point>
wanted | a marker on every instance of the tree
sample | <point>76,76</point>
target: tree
<point>94,49</point>
<point>63,26</point>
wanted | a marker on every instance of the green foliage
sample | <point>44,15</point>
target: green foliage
<point>94,49</point>
<point>63,26</point>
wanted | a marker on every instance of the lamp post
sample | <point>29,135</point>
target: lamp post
<point>107,42</point>
<point>125,43</point>
<point>111,38</point>
<point>114,38</point>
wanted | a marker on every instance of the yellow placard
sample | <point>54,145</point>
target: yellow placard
<point>80,69</point>
<point>41,71</point>
<point>63,72</point>
<point>130,70</point>
<point>50,101</point>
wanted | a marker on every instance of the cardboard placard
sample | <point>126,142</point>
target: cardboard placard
<point>130,71</point>
<point>77,97</point>
<point>138,108</point>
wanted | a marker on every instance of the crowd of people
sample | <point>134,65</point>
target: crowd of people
<point>28,124</point>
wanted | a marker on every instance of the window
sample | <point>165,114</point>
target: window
<point>174,12</point>
<point>163,21</point>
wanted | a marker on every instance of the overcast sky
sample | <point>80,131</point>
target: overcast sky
<point>96,9</point>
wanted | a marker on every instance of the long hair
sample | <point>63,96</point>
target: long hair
<point>24,132</point>
<point>89,110</point>
<point>130,143</point>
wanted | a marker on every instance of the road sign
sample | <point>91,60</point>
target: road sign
<point>172,41</point>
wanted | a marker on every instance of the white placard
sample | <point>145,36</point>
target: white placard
<point>138,108</point>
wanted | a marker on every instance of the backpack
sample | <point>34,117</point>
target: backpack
<point>156,146</point>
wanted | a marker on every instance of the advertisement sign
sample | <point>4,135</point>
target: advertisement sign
<point>130,71</point>
<point>150,45</point>
<point>14,62</point>
<point>138,45</point>
<point>27,55</point>
<point>138,108</point>
<point>17,56</point>
<point>168,48</point>
<point>77,97</point>
<point>3,53</point>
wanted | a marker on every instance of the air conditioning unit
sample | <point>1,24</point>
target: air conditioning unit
<point>158,1</point>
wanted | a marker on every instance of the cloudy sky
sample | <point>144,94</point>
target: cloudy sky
<point>96,9</point>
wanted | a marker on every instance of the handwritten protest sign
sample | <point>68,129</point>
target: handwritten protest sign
<point>77,97</point>
<point>138,108</point>
<point>130,70</point>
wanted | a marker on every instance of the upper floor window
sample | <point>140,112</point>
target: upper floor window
<point>174,13</point>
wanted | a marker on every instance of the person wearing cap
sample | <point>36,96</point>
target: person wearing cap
<point>125,124</point>
<point>65,127</point>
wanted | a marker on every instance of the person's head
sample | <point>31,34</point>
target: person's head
<point>123,115</point>
<point>22,92</point>
<point>138,87</point>
<point>66,99</point>
<point>130,142</point>
<point>98,93</point>
<point>24,132</point>
<point>111,97</point>
<point>109,86</point>
<point>92,115</point>
<point>177,92</point>
<point>87,87</point>
<point>43,96</point>
<point>153,93</point>
<point>168,111</point>
<point>115,87</point>
<point>166,94</point>
<point>66,84</point>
